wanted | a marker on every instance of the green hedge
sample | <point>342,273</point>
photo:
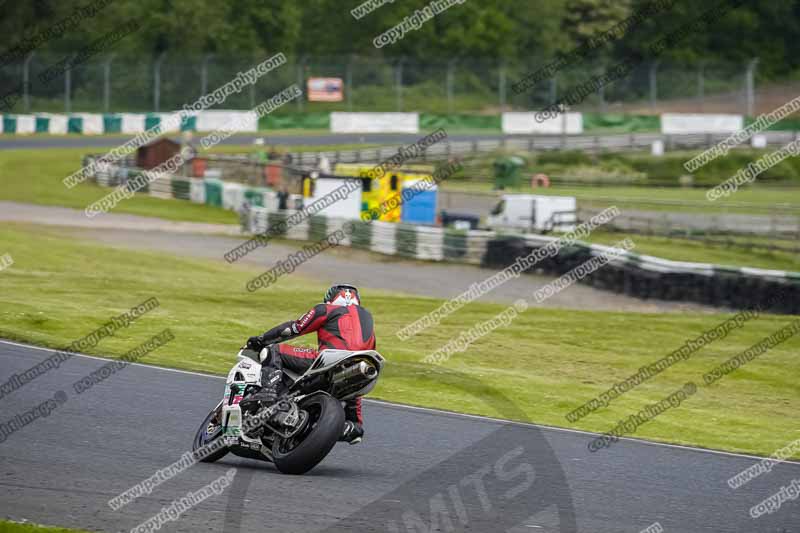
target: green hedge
<point>307,121</point>
<point>429,121</point>
<point>787,124</point>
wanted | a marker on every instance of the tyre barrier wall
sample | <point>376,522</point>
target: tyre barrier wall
<point>336,122</point>
<point>641,276</point>
<point>649,277</point>
<point>405,240</point>
<point>208,191</point>
<point>130,123</point>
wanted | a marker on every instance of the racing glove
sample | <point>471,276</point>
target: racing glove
<point>256,343</point>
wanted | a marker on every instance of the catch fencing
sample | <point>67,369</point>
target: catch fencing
<point>586,143</point>
<point>119,82</point>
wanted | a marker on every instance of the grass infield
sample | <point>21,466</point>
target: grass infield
<point>15,527</point>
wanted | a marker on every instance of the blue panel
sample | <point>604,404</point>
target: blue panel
<point>421,209</point>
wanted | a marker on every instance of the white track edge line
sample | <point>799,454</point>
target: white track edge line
<point>179,371</point>
<point>441,412</point>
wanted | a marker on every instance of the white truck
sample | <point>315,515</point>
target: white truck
<point>533,213</point>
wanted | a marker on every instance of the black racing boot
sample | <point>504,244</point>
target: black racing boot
<point>272,389</point>
<point>353,433</point>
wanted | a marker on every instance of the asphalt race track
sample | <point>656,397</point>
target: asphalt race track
<point>316,139</point>
<point>417,470</point>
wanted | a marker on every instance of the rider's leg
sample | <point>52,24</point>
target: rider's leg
<point>352,411</point>
<point>272,386</point>
<point>354,423</point>
<point>281,356</point>
<point>298,359</point>
<point>295,358</point>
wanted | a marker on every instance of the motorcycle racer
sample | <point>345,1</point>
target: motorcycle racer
<point>341,323</point>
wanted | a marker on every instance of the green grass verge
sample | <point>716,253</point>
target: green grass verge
<point>35,176</point>
<point>642,168</point>
<point>547,362</point>
<point>15,527</point>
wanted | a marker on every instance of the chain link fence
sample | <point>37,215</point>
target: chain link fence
<point>132,84</point>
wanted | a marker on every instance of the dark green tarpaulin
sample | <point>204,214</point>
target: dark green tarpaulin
<point>619,123</point>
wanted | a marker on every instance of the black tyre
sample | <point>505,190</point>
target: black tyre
<point>206,436</point>
<point>304,451</point>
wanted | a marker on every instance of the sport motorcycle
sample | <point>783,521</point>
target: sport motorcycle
<point>301,428</point>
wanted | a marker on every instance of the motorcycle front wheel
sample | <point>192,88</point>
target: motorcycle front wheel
<point>208,433</point>
<point>303,451</point>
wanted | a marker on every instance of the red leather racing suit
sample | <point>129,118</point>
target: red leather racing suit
<point>341,327</point>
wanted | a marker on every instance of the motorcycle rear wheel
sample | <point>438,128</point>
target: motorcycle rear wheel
<point>302,452</point>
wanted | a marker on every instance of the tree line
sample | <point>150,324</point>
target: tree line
<point>525,32</point>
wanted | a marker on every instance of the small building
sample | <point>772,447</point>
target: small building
<point>155,153</point>
<point>379,190</point>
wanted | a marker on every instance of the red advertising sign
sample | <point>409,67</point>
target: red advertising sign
<point>325,90</point>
